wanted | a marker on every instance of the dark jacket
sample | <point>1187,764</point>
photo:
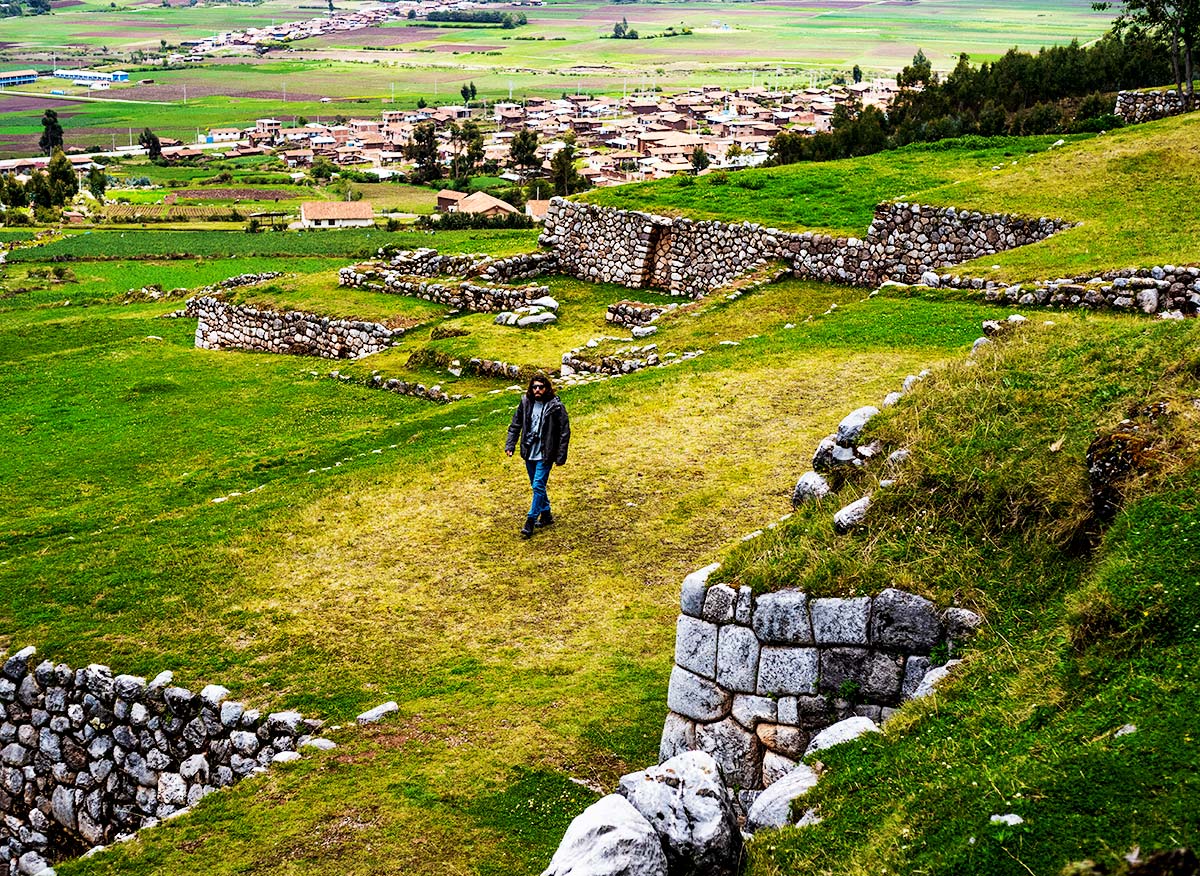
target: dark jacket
<point>556,429</point>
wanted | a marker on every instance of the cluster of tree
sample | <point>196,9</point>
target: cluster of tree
<point>32,7</point>
<point>622,31</point>
<point>1176,23</point>
<point>467,91</point>
<point>1057,90</point>
<point>465,221</point>
<point>466,142</point>
<point>479,16</point>
<point>53,187</point>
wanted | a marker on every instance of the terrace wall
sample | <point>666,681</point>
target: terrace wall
<point>1146,106</point>
<point>756,677</point>
<point>86,757</point>
<point>460,296</point>
<point>685,257</point>
<point>225,326</point>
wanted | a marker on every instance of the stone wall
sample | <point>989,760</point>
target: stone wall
<point>691,258</point>
<point>86,757</point>
<point>460,296</point>
<point>907,240</point>
<point>524,266</point>
<point>224,326</point>
<point>756,677</point>
<point>1168,290</point>
<point>1146,106</point>
<point>632,314</point>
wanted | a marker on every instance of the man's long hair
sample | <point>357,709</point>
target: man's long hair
<point>540,378</point>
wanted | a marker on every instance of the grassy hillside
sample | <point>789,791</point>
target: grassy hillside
<point>244,520</point>
<point>1128,189</point>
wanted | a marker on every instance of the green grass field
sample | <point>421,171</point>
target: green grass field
<point>365,546</point>
<point>562,49</point>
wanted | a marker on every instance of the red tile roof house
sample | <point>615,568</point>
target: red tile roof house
<point>336,214</point>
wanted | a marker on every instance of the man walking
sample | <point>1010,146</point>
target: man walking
<point>541,424</point>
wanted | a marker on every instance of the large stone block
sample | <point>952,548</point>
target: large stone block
<point>697,698</point>
<point>678,736</point>
<point>882,676</point>
<point>784,671</point>
<point>695,586</point>
<point>686,803</point>
<point>782,739</point>
<point>609,838</point>
<point>843,670</point>
<point>841,621</point>
<point>736,751</point>
<point>737,659</point>
<point>696,645</point>
<point>782,618</point>
<point>905,621</point>
<point>719,604</point>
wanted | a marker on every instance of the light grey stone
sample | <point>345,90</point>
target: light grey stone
<point>379,712</point>
<point>214,694</point>
<point>905,621</point>
<point>882,676</point>
<point>244,742</point>
<point>841,621</point>
<point>787,671</point>
<point>735,749</point>
<point>719,603</point>
<point>695,586</point>
<point>686,804</point>
<point>1147,300</point>
<point>284,722</point>
<point>898,457</point>
<point>775,767</point>
<point>930,682</point>
<point>319,743</point>
<point>231,713</point>
<point>851,515</point>
<point>842,731</point>
<point>749,710</point>
<point>782,618</point>
<point>961,623</point>
<point>810,487</point>
<point>822,460</point>
<point>697,698</point>
<point>696,645</point>
<point>609,838</point>
<point>678,736</point>
<point>892,399</point>
<point>172,789</point>
<point>286,757</point>
<point>31,864</point>
<point>851,427</point>
<point>737,659</point>
<point>773,808</point>
<point>195,768</point>
<point>63,804</point>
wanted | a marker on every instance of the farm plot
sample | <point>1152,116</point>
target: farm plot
<point>165,212</point>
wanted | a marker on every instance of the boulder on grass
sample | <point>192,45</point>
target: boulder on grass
<point>773,808</point>
<point>609,838</point>
<point>686,802</point>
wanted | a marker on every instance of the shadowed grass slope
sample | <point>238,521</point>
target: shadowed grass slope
<point>1086,630</point>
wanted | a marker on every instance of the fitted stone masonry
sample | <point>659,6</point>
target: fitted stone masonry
<point>756,677</point>
<point>693,258</point>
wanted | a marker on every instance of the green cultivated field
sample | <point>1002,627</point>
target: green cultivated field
<point>560,50</point>
<point>365,548</point>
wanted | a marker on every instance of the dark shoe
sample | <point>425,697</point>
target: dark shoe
<point>527,529</point>
<point>546,519</point>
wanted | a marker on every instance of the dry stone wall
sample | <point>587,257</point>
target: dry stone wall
<point>1166,290</point>
<point>1146,106</point>
<point>87,757</point>
<point>224,326</point>
<point>460,296</point>
<point>691,258</point>
<point>756,677</point>
<point>632,314</point>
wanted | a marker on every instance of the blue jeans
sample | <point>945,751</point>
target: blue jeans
<point>539,473</point>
